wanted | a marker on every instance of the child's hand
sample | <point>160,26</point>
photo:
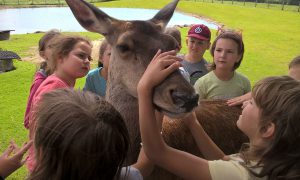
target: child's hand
<point>190,120</point>
<point>12,158</point>
<point>239,100</point>
<point>162,65</point>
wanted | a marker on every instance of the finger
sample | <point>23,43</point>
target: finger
<point>8,150</point>
<point>170,57</point>
<point>156,55</point>
<point>14,145</point>
<point>24,149</point>
<point>172,52</point>
<point>172,68</point>
<point>167,62</point>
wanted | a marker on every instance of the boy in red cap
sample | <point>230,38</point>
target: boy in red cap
<point>198,41</point>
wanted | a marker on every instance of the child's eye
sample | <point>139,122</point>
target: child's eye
<point>83,56</point>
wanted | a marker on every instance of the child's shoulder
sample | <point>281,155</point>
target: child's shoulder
<point>240,76</point>
<point>94,71</point>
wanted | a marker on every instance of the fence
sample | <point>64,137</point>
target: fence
<point>287,5</point>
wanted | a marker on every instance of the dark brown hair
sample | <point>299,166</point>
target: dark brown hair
<point>237,38</point>
<point>61,46</point>
<point>78,136</point>
<point>294,62</point>
<point>175,33</point>
<point>43,42</point>
<point>278,99</point>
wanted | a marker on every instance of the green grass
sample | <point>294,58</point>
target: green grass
<point>271,40</point>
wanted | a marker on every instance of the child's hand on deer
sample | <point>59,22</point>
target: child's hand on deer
<point>190,119</point>
<point>162,65</point>
<point>12,158</point>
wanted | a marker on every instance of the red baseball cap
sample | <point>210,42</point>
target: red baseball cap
<point>199,31</point>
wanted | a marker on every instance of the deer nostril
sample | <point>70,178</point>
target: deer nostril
<point>185,101</point>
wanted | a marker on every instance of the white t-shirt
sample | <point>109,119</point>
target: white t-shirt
<point>231,170</point>
<point>131,174</point>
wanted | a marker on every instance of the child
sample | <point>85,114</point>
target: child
<point>271,121</point>
<point>223,82</point>
<point>12,158</point>
<point>175,33</point>
<point>198,41</point>
<point>294,68</point>
<point>80,136</point>
<point>294,72</point>
<point>96,78</point>
<point>42,73</point>
<point>70,60</point>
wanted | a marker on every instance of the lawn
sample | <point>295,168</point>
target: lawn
<point>271,40</point>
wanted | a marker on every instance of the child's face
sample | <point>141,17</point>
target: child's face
<point>106,57</point>
<point>197,47</point>
<point>294,72</point>
<point>77,63</point>
<point>248,121</point>
<point>226,54</point>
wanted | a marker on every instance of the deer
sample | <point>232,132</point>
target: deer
<point>134,43</point>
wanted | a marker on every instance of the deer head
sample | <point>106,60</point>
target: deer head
<point>134,43</point>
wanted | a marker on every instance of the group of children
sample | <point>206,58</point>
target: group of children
<point>78,135</point>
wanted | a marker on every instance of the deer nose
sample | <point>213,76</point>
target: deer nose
<point>185,101</point>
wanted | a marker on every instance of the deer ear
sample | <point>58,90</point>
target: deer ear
<point>164,15</point>
<point>90,17</point>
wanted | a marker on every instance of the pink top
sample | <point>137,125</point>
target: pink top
<point>38,79</point>
<point>51,83</point>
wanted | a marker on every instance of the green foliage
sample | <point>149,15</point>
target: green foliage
<point>271,40</point>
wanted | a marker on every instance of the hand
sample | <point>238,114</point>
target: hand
<point>239,100</point>
<point>162,65</point>
<point>190,120</point>
<point>12,158</point>
<point>245,104</point>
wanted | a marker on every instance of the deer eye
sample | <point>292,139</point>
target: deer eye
<point>123,48</point>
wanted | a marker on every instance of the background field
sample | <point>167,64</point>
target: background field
<point>271,38</point>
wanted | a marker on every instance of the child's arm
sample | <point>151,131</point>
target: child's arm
<point>12,158</point>
<point>178,162</point>
<point>207,147</point>
<point>143,164</point>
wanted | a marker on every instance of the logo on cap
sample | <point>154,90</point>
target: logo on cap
<point>198,30</point>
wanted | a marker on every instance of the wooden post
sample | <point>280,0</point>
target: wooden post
<point>255,3</point>
<point>232,2</point>
<point>244,2</point>
<point>268,4</point>
<point>299,7</point>
<point>222,1</point>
